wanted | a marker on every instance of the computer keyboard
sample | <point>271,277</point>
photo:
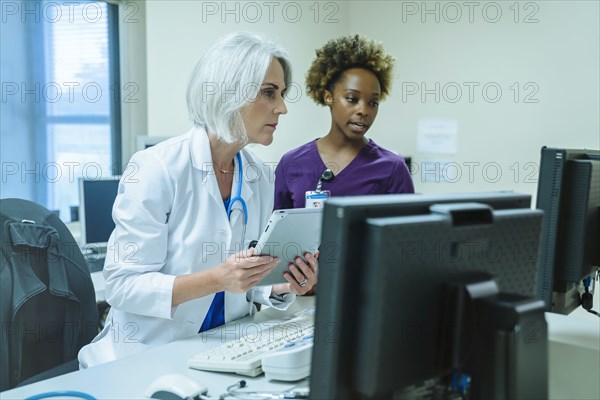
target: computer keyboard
<point>243,356</point>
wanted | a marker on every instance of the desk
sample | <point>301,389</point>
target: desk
<point>129,377</point>
<point>574,354</point>
<point>574,362</point>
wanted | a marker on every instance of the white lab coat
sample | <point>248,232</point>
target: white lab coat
<point>170,220</point>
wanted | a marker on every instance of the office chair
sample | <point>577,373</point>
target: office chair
<point>48,309</point>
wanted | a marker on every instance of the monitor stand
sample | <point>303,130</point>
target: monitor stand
<point>498,340</point>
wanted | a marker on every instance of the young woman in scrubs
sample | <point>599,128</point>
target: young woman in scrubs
<point>350,75</point>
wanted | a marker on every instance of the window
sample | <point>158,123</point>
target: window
<point>60,99</point>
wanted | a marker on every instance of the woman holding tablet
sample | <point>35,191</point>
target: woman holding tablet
<point>177,262</point>
<point>351,75</point>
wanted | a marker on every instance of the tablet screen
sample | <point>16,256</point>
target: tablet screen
<point>289,233</point>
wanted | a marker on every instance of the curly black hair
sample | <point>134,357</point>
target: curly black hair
<point>343,53</point>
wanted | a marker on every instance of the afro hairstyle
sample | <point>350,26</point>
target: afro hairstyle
<point>343,53</point>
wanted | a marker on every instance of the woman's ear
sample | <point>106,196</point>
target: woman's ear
<point>328,97</point>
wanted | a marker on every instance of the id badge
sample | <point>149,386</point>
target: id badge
<point>316,199</point>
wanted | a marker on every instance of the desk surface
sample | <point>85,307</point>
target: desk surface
<point>574,354</point>
<point>129,377</point>
<point>574,358</point>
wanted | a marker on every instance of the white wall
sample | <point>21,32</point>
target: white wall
<point>556,54</point>
<point>178,32</point>
<point>132,52</point>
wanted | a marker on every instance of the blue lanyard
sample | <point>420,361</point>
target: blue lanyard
<point>238,197</point>
<point>216,312</point>
<point>215,316</point>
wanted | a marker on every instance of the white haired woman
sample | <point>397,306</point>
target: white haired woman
<point>186,209</point>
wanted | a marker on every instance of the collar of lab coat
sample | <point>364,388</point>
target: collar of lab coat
<point>200,149</point>
<point>202,159</point>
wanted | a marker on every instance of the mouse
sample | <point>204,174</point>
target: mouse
<point>175,387</point>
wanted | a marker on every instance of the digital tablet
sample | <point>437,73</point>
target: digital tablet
<point>289,233</point>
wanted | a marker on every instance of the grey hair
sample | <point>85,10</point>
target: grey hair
<point>227,78</point>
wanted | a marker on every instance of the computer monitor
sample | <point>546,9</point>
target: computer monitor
<point>96,199</point>
<point>388,315</point>
<point>569,195</point>
<point>144,141</point>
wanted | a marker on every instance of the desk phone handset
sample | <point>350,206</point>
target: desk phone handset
<point>290,362</point>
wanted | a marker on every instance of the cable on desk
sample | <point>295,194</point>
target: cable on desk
<point>61,393</point>
<point>587,299</point>
<point>596,313</point>
<point>233,392</point>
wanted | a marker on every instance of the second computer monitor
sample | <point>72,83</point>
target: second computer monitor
<point>145,141</point>
<point>97,197</point>
<point>569,195</point>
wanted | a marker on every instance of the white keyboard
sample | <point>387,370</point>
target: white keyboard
<point>243,356</point>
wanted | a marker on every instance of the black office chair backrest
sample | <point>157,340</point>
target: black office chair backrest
<point>48,310</point>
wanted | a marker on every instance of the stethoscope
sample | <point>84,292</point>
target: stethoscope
<point>233,391</point>
<point>238,196</point>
